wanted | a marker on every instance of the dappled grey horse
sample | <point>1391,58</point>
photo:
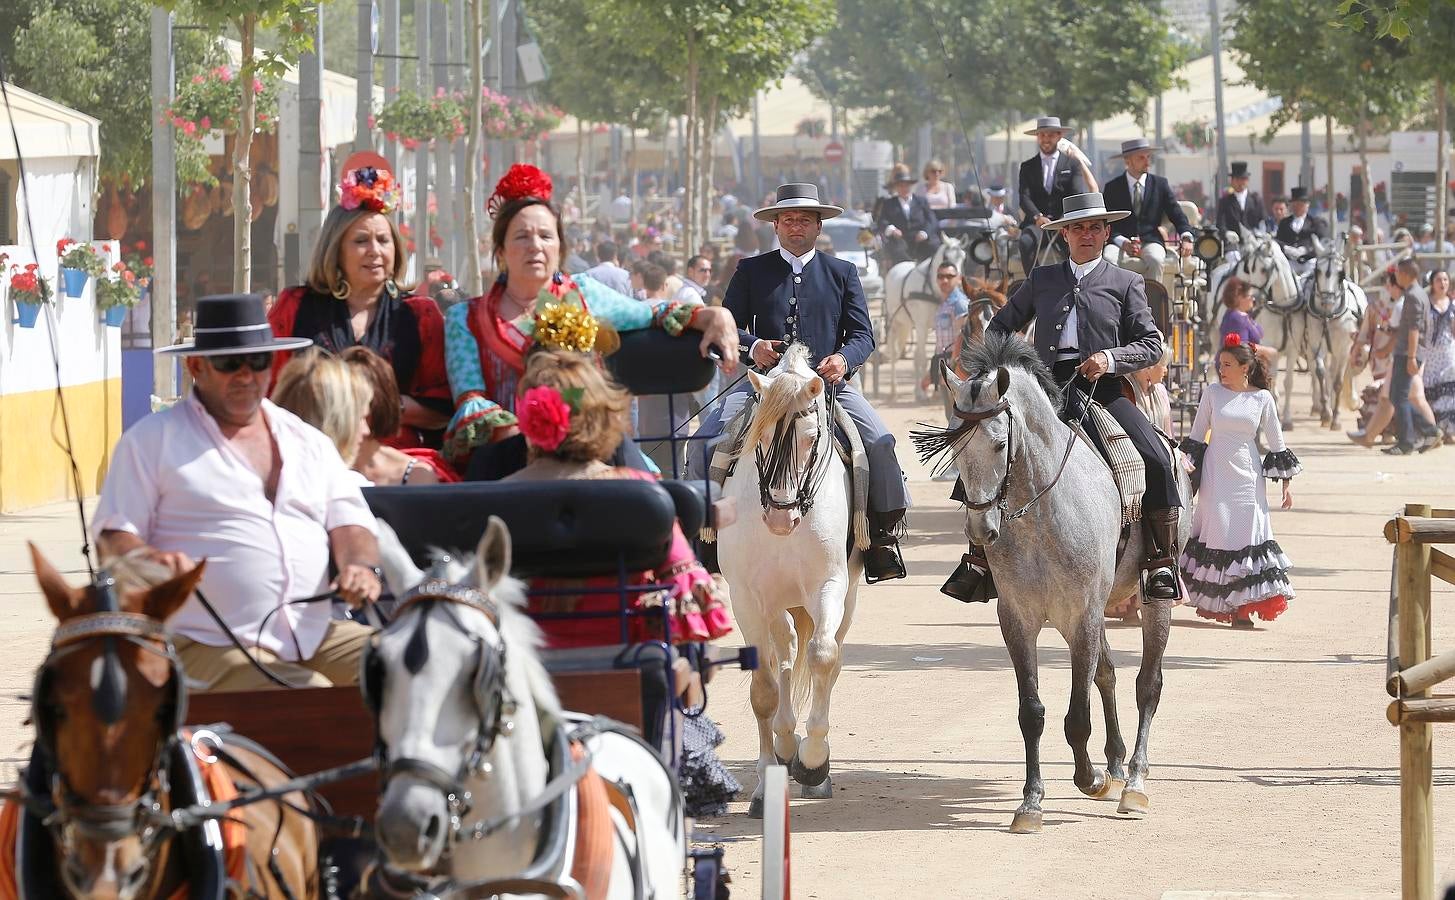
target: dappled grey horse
<point>1045,508</point>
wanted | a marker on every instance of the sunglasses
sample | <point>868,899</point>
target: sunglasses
<point>227,365</point>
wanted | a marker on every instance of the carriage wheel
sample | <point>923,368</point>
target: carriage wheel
<point>776,832</point>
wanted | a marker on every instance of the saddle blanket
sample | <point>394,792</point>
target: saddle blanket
<point>1127,468</point>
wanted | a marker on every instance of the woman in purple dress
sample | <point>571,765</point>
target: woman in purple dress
<point>1238,299</point>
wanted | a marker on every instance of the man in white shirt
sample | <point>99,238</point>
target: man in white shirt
<point>607,271</point>
<point>264,498</point>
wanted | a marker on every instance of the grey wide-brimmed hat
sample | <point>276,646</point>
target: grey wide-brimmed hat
<point>996,190</point>
<point>799,196</point>
<point>1135,144</point>
<point>1081,207</point>
<point>1048,122</point>
<point>232,324</point>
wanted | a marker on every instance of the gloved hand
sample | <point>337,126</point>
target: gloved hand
<point>1070,149</point>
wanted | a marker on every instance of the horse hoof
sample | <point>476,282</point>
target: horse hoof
<point>755,808</point>
<point>1109,786</point>
<point>1134,803</point>
<point>1026,822</point>
<point>822,791</point>
<point>806,776</point>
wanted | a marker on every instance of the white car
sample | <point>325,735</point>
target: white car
<point>844,231</point>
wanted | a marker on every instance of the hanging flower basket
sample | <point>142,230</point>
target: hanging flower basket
<point>414,120</point>
<point>115,296</point>
<point>29,291</point>
<point>78,263</point>
<point>209,103</point>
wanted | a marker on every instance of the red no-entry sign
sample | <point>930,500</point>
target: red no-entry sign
<point>833,152</point>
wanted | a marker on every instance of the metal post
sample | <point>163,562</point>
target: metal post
<point>460,80</point>
<point>509,67</point>
<point>389,47</point>
<point>164,207</point>
<point>364,88</point>
<point>421,154</point>
<point>1159,160</point>
<point>444,195</point>
<point>311,198</point>
<point>757,167</point>
<point>1306,159</point>
<point>1217,55</point>
<point>494,148</point>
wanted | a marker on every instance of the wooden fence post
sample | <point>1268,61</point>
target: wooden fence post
<point>1417,832</point>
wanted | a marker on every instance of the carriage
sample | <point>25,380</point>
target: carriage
<point>557,529</point>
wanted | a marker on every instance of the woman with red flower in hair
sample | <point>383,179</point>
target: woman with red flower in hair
<point>354,298</point>
<point>1232,565</point>
<point>533,303</point>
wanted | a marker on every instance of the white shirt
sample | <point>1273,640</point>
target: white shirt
<point>1068,330</point>
<point>905,204</point>
<point>1297,223</point>
<point>1048,169</point>
<point>176,483</point>
<point>1242,197</point>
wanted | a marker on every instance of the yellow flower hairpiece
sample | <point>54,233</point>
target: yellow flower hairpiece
<point>563,326</point>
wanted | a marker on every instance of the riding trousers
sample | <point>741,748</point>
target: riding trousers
<point>1161,481</point>
<point>887,490</point>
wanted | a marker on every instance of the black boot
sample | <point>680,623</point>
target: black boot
<point>1159,568</point>
<point>971,582</point>
<point>882,561</point>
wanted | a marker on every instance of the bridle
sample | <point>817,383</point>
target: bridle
<point>1264,253</point>
<point>62,808</point>
<point>780,463</point>
<point>1000,499</point>
<point>1335,300</point>
<point>493,703</point>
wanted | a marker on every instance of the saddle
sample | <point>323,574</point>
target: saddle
<point>28,853</point>
<point>847,442</point>
<point>1127,468</point>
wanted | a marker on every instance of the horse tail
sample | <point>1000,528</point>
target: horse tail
<point>801,680</point>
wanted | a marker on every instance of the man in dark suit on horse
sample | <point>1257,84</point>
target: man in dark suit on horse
<point>1056,172</point>
<point>796,294</point>
<point>1092,328</point>
<point>1240,206</point>
<point>1296,232</point>
<point>1149,199</point>
<point>906,225</point>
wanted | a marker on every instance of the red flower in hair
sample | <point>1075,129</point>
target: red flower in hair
<point>1232,340</point>
<point>522,180</point>
<point>545,417</point>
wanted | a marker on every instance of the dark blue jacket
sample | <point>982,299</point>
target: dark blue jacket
<point>833,316</point>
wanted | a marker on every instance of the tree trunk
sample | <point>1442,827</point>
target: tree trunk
<point>689,208</point>
<point>1012,196</point>
<point>581,171</point>
<point>474,44</point>
<point>1442,166</point>
<point>242,177</point>
<point>635,169</point>
<point>1371,214</point>
<point>1369,225</point>
<point>709,164</point>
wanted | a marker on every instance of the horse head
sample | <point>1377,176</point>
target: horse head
<point>445,694</point>
<point>788,436</point>
<point>107,703</point>
<point>952,250</point>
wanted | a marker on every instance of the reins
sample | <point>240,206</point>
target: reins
<point>1001,494</point>
<point>779,463</point>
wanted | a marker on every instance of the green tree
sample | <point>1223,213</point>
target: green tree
<point>95,57</point>
<point>289,24</point>
<point>1393,18</point>
<point>1293,49</point>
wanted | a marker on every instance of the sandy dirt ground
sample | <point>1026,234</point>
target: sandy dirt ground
<point>1274,771</point>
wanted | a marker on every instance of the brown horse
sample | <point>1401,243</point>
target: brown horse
<point>110,762</point>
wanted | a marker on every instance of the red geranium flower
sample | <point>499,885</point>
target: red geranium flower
<point>545,418</point>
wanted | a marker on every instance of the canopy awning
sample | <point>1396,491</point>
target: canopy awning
<point>46,128</point>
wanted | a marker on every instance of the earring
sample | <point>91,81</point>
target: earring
<point>501,279</point>
<point>391,289</point>
<point>342,288</point>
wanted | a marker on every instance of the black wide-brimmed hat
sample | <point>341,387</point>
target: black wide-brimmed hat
<point>229,324</point>
<point>1298,193</point>
<point>1044,122</point>
<point>1080,207</point>
<point>1238,170</point>
<point>1135,144</point>
<point>799,196</point>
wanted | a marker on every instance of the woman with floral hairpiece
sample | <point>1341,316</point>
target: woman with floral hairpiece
<point>533,303</point>
<point>353,297</point>
<point>1232,565</point>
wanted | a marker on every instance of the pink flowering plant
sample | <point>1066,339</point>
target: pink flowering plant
<point>123,288</point>
<point>414,120</point>
<point>76,255</point>
<point>212,102</point>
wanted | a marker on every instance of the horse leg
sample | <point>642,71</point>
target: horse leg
<point>1290,363</point>
<point>921,357</point>
<point>824,659</point>
<point>1020,641</point>
<point>766,695</point>
<point>1116,748</point>
<point>1085,648</point>
<point>1156,622</point>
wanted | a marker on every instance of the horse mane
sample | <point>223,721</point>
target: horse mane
<point>1012,351</point>
<point>133,571</point>
<point>790,377</point>
<point>517,631</point>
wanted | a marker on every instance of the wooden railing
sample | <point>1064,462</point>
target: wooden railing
<point>1411,672</point>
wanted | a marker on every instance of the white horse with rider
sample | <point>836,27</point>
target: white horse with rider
<point>910,304</point>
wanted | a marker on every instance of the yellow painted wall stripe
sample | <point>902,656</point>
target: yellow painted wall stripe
<point>33,466</point>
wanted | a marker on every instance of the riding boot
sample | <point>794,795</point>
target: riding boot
<point>1159,567</point>
<point>882,561</point>
<point>971,582</point>
<point>707,555</point>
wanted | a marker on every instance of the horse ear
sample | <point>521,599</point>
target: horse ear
<point>759,382</point>
<point>399,569</point>
<point>947,375</point>
<point>492,556</point>
<point>1002,381</point>
<point>814,388</point>
<point>64,600</point>
<point>162,600</point>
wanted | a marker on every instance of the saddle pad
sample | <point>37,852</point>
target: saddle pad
<point>1127,468</point>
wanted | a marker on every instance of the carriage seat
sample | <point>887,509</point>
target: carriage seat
<point>653,362</point>
<point>564,529</point>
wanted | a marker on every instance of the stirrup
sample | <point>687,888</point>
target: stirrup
<point>894,569</point>
<point>1157,569</point>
